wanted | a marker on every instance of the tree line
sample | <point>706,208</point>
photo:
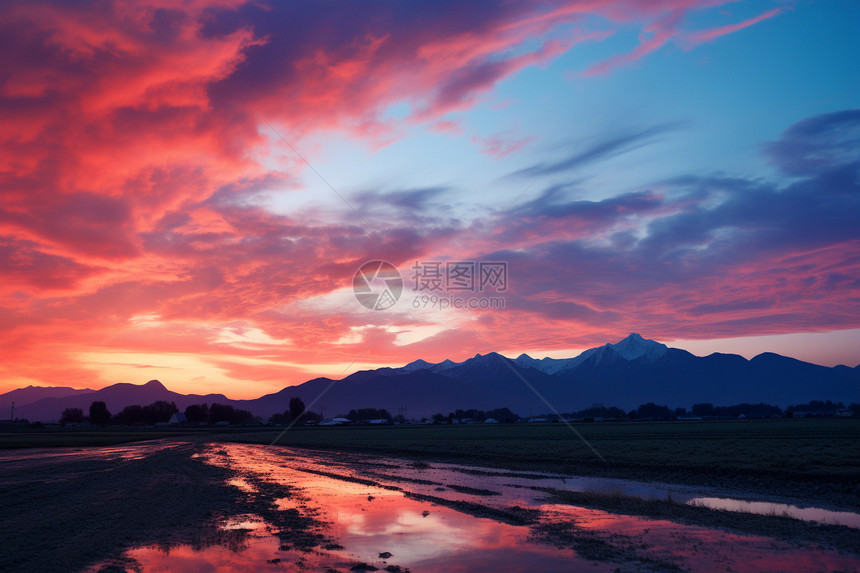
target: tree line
<point>295,414</point>
<point>158,412</point>
<point>161,411</point>
<point>652,411</point>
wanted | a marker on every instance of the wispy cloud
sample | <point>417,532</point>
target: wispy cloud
<point>606,146</point>
<point>709,35</point>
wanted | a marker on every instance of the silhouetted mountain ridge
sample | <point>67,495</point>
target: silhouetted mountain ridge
<point>30,394</point>
<point>626,374</point>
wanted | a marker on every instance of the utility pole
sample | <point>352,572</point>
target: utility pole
<point>12,415</point>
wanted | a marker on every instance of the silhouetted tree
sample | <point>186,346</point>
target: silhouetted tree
<point>197,413</point>
<point>227,413</point>
<point>136,415</point>
<point>310,416</point>
<point>99,413</point>
<point>652,410</point>
<point>472,413</point>
<point>283,418</point>
<point>703,409</point>
<point>760,410</point>
<point>241,416</point>
<point>72,416</point>
<point>297,408</point>
<point>159,412</point>
<point>220,413</point>
<point>815,406</point>
<point>364,414</point>
<point>503,415</point>
<point>598,412</point>
<point>131,415</point>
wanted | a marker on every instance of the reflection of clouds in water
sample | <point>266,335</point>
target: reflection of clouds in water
<point>367,520</point>
<point>390,521</point>
<point>817,514</point>
<point>401,526</point>
<point>255,556</point>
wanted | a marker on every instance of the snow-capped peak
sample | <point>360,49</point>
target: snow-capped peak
<point>634,346</point>
<point>631,348</point>
<point>546,365</point>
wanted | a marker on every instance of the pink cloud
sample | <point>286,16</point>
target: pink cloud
<point>131,157</point>
<point>668,28</point>
<point>498,146</point>
<point>696,38</point>
<point>652,38</point>
<point>446,126</point>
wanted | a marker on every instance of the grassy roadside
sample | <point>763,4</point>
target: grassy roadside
<point>82,437</point>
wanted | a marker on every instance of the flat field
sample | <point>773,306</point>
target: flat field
<point>817,458</point>
<point>68,507</point>
<point>808,458</point>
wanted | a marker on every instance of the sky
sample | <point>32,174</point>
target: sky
<point>188,190</point>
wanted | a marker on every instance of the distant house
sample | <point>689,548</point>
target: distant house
<point>380,421</point>
<point>844,412</point>
<point>335,422</point>
<point>491,421</point>
<point>177,418</point>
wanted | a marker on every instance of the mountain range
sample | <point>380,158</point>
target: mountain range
<point>625,374</point>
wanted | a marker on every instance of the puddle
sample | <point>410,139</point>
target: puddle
<point>244,523</point>
<point>364,507</point>
<point>242,485</point>
<point>285,503</point>
<point>460,479</point>
<point>815,514</point>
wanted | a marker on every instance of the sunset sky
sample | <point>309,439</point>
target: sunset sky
<point>187,189</point>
